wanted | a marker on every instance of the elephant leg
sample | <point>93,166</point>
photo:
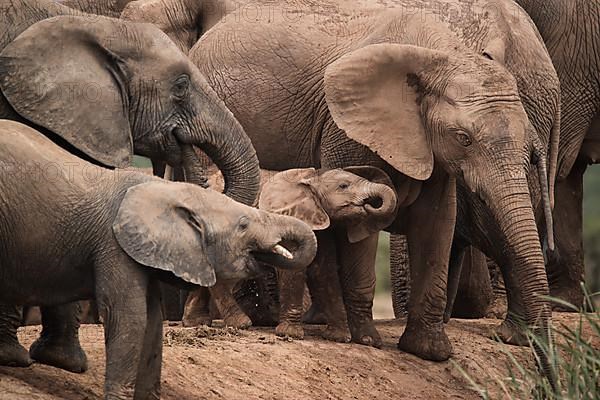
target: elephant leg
<point>232,314</point>
<point>324,284</point>
<point>291,292</point>
<point>12,354</point>
<point>121,293</point>
<point>357,278</point>
<point>58,344</point>
<point>147,384</point>
<point>196,311</point>
<point>474,293</point>
<point>399,274</point>
<point>171,302</point>
<point>430,229</point>
<point>457,256</point>
<point>565,268</point>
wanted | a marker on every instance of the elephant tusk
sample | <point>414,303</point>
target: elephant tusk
<point>282,251</point>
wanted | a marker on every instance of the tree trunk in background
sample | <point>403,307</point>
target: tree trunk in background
<point>399,274</point>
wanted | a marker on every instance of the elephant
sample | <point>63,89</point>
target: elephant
<point>353,202</point>
<point>381,88</point>
<point>76,231</point>
<point>579,76</point>
<point>110,89</point>
<point>322,85</point>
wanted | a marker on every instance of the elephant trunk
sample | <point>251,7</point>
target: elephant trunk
<point>522,255</point>
<point>285,242</point>
<point>217,132</point>
<point>379,202</point>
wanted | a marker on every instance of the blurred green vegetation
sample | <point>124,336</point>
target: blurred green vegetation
<point>591,226</point>
<point>141,162</point>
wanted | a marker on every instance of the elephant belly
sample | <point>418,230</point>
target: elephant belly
<point>39,284</point>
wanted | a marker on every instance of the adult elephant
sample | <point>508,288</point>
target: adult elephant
<point>571,31</point>
<point>431,101</point>
<point>109,90</point>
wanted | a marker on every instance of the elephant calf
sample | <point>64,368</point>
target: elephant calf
<point>351,203</point>
<point>73,231</point>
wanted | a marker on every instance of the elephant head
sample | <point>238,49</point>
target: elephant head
<point>359,198</point>
<point>111,88</point>
<point>200,235</point>
<point>416,107</point>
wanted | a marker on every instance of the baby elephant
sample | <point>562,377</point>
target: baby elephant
<point>354,202</point>
<point>71,230</point>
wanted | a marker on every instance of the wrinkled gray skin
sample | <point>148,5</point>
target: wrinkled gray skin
<point>110,90</point>
<point>460,85</point>
<point>76,231</point>
<point>300,131</point>
<point>107,8</point>
<point>354,202</point>
<point>183,20</point>
<point>571,31</point>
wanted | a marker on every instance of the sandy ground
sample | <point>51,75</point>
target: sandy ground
<point>222,363</point>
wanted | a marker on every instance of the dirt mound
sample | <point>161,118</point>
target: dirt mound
<point>225,363</point>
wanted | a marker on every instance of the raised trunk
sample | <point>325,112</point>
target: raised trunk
<point>291,234</point>
<point>380,204</point>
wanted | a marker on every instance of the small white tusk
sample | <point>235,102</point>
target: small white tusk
<point>282,251</point>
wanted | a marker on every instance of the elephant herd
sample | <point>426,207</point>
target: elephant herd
<point>456,125</point>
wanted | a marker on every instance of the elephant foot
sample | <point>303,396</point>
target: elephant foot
<point>509,332</point>
<point>59,353</point>
<point>426,342</point>
<point>238,320</point>
<point>192,321</point>
<point>290,329</point>
<point>314,316</point>
<point>14,355</point>
<point>336,334</point>
<point>572,294</point>
<point>366,334</point>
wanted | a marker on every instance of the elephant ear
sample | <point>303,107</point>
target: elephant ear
<point>289,193</point>
<point>372,174</point>
<point>58,75</point>
<point>372,96</point>
<point>156,227</point>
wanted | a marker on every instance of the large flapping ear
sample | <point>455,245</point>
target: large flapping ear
<point>156,228</point>
<point>372,96</point>
<point>59,74</point>
<point>372,174</point>
<point>289,193</point>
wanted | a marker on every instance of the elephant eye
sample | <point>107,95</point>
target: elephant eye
<point>343,186</point>
<point>463,138</point>
<point>243,223</point>
<point>181,86</point>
